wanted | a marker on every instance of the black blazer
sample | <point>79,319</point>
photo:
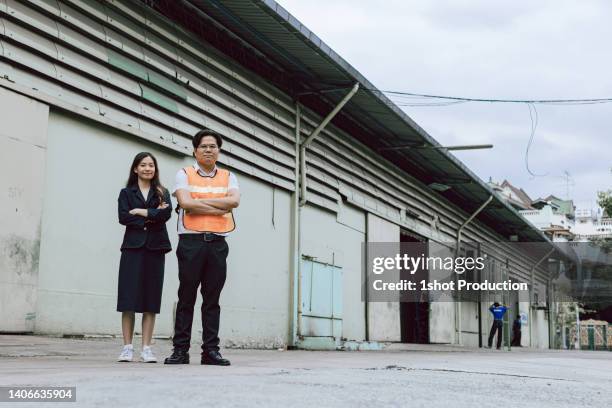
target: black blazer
<point>149,232</point>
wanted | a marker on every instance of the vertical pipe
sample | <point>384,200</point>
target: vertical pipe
<point>366,282</point>
<point>531,295</point>
<point>549,301</point>
<point>506,298</point>
<point>478,254</point>
<point>299,200</point>
<point>296,233</point>
<point>578,339</point>
<point>531,313</point>
<point>303,178</point>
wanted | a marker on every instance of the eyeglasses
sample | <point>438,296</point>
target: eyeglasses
<point>207,147</point>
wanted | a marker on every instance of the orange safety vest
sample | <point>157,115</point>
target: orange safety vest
<point>208,187</point>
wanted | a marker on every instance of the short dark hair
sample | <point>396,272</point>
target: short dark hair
<point>495,304</point>
<point>197,138</point>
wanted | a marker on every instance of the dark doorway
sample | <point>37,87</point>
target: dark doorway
<point>414,316</point>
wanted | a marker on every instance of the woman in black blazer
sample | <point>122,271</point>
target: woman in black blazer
<point>144,208</point>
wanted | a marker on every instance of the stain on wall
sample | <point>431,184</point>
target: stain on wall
<point>20,255</point>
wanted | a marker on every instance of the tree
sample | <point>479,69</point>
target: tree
<point>605,201</point>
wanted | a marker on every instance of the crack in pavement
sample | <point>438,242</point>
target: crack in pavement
<point>37,354</point>
<point>401,368</point>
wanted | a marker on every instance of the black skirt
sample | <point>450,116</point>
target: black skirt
<point>141,280</point>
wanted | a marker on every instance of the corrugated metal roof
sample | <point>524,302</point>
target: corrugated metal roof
<point>268,28</point>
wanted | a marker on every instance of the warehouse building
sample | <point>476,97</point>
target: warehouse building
<point>86,84</point>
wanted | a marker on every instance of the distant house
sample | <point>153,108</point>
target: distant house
<point>554,216</point>
<point>559,206</point>
<point>516,197</point>
<point>591,224</point>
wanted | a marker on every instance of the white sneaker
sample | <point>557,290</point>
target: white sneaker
<point>147,355</point>
<point>127,354</point>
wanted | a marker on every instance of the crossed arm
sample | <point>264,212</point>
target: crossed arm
<point>210,206</point>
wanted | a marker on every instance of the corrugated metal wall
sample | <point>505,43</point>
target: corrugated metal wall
<point>121,63</point>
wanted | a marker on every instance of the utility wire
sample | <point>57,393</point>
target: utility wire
<point>534,124</point>
<point>398,103</point>
<point>529,101</point>
<point>410,99</point>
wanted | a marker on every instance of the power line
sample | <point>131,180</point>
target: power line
<point>565,101</point>
<point>534,125</point>
<point>411,99</point>
<point>430,103</point>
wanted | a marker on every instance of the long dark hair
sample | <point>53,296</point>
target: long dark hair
<point>156,185</point>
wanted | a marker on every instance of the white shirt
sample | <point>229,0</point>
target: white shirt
<point>181,182</point>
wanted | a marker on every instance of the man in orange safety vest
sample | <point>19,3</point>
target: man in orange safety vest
<point>206,196</point>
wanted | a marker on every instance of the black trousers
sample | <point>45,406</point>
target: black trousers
<point>200,263</point>
<point>516,338</point>
<point>496,327</point>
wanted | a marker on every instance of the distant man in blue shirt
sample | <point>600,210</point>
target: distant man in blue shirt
<point>498,316</point>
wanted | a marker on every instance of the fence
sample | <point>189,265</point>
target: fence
<point>592,337</point>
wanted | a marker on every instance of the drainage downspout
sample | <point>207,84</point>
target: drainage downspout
<point>459,233</point>
<point>549,300</point>
<point>531,295</point>
<point>314,134</point>
<point>479,305</point>
<point>299,200</point>
<point>366,303</point>
<point>295,250</point>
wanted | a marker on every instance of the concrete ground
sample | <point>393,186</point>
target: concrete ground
<point>400,376</point>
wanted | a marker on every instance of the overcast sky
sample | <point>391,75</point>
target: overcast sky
<point>491,49</point>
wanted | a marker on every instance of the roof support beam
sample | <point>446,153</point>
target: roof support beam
<point>316,133</point>
<point>466,222</point>
<point>424,146</point>
<point>459,232</point>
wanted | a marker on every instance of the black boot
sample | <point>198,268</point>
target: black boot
<point>178,357</point>
<point>213,357</point>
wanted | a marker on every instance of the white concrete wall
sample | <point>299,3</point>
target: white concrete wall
<point>87,166</point>
<point>23,145</point>
<point>336,239</point>
<point>469,323</point>
<point>384,317</point>
<point>539,329</point>
<point>545,217</point>
<point>255,300</point>
<point>524,311</point>
<point>487,320</point>
<point>442,322</point>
